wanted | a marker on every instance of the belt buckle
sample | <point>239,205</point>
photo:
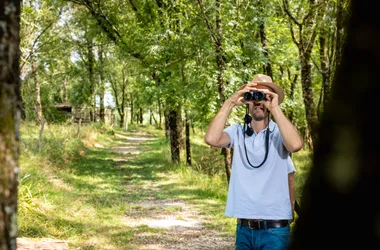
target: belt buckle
<point>253,223</point>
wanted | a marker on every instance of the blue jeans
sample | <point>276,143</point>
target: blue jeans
<point>263,239</point>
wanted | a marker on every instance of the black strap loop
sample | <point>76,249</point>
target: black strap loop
<point>249,131</point>
<point>267,132</point>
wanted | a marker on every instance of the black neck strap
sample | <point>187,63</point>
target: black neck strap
<point>267,132</point>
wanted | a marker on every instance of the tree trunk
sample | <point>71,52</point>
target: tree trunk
<point>325,69</point>
<point>90,65</point>
<point>154,119</point>
<point>167,122</point>
<point>37,87</point>
<point>305,43</point>
<point>227,162</point>
<point>180,129</point>
<point>10,110</point>
<point>121,124</point>
<point>188,145</point>
<point>132,109</point>
<point>159,112</point>
<point>65,97</point>
<point>293,82</point>
<point>341,23</point>
<point>339,204</point>
<point>220,63</point>
<point>101,87</point>
<point>307,93</point>
<point>158,84</point>
<point>217,39</point>
<point>264,41</point>
<point>174,138</point>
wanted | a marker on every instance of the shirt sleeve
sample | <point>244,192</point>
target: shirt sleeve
<point>291,167</point>
<point>232,132</point>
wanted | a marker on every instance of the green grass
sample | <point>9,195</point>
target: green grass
<point>73,188</point>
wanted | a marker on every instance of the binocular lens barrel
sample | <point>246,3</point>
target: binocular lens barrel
<point>254,96</point>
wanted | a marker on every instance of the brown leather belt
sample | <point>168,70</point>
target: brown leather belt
<point>263,224</point>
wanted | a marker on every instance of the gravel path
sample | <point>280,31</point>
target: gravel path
<point>178,224</point>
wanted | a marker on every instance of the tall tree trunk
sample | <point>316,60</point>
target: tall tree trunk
<point>323,58</point>
<point>37,93</point>
<point>217,40</point>
<point>291,94</point>
<point>90,65</point>
<point>341,23</point>
<point>101,85</point>
<point>65,97</point>
<point>119,91</point>
<point>328,37</point>
<point>264,41</point>
<point>308,97</point>
<point>154,119</point>
<point>227,162</point>
<point>174,139</point>
<point>132,109</point>
<point>343,186</point>
<point>167,122</point>
<point>306,38</point>
<point>10,111</point>
<point>220,63</point>
<point>188,144</point>
<point>158,84</point>
<point>180,129</point>
<point>159,112</point>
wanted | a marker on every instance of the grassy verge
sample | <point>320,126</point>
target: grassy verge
<point>69,189</point>
<point>73,188</point>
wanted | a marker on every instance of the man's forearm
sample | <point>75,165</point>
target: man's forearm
<point>215,130</point>
<point>290,135</point>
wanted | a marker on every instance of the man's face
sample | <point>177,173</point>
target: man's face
<point>257,108</point>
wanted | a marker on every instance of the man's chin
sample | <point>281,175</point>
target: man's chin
<point>259,117</point>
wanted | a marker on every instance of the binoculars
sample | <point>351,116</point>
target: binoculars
<point>254,96</point>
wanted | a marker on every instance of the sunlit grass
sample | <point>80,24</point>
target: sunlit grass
<point>302,162</point>
<point>69,189</point>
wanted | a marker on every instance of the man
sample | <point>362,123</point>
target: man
<point>261,193</point>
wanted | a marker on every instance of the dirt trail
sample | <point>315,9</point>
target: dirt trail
<point>178,225</point>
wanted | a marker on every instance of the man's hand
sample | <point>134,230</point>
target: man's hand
<point>271,98</point>
<point>238,98</point>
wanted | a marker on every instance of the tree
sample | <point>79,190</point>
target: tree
<point>216,35</point>
<point>10,110</point>
<point>304,33</point>
<point>339,205</point>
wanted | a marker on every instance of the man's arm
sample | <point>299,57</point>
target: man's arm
<point>290,135</point>
<point>215,136</point>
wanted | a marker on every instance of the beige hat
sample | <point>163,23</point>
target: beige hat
<point>265,80</point>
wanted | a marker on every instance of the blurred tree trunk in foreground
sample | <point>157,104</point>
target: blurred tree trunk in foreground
<point>10,110</point>
<point>339,205</point>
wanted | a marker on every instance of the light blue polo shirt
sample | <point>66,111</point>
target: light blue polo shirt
<point>259,193</point>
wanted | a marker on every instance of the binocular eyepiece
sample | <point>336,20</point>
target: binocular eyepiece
<point>254,96</point>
